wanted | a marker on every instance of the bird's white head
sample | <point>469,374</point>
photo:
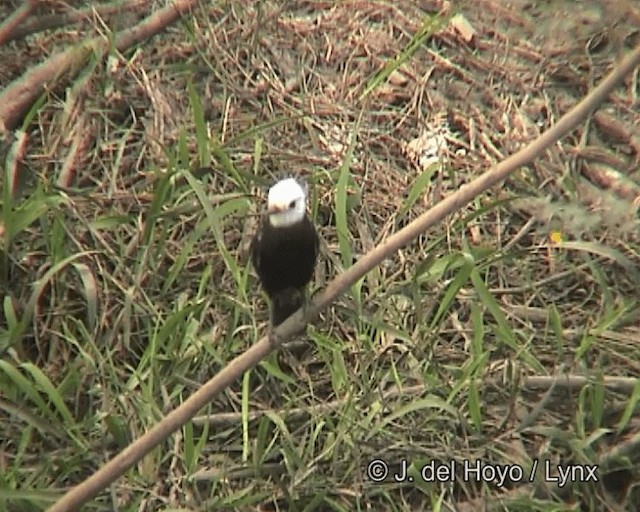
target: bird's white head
<point>286,204</point>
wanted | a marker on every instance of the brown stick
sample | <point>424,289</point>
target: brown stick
<point>53,21</point>
<point>22,92</point>
<point>535,382</point>
<point>8,28</point>
<point>117,466</point>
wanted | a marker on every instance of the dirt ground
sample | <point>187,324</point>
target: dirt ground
<point>284,86</point>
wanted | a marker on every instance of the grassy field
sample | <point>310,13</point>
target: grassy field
<point>499,352</point>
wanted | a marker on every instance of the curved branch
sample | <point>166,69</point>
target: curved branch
<point>117,466</point>
<point>9,26</point>
<point>20,94</point>
<point>72,16</point>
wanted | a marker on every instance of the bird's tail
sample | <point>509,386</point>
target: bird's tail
<point>284,304</point>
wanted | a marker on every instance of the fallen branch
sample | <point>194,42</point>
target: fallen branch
<point>73,16</point>
<point>9,26</point>
<point>20,94</point>
<point>624,385</point>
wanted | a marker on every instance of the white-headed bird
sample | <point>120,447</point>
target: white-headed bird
<point>284,249</point>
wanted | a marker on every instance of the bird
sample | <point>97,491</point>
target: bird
<point>284,249</point>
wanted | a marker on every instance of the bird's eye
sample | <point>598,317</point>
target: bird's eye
<point>292,204</point>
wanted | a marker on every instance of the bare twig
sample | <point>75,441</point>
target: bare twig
<point>548,383</point>
<point>8,28</point>
<point>21,93</point>
<point>299,413</point>
<point>117,466</point>
<point>14,161</point>
<point>576,382</point>
<point>53,21</point>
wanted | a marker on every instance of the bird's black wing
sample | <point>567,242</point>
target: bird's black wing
<point>283,277</point>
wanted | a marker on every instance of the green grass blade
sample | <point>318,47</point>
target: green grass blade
<point>214,217</point>
<point>246,391</point>
<point>428,402</point>
<point>342,226</point>
<point>607,252</point>
<point>462,276</point>
<point>417,190</point>
<point>430,26</point>
<point>44,384</point>
<point>40,285</point>
<point>90,289</point>
<point>473,402</point>
<point>202,137</point>
<point>504,331</point>
<point>630,409</point>
<point>25,387</point>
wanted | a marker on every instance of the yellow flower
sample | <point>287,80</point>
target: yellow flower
<point>555,237</point>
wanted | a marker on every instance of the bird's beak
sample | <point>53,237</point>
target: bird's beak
<point>275,208</point>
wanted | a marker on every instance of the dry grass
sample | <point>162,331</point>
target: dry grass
<point>121,295</point>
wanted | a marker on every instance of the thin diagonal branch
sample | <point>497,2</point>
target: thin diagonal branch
<point>8,27</point>
<point>117,466</point>
<point>20,94</point>
<point>566,383</point>
<point>70,17</point>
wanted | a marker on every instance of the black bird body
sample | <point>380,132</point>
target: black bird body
<point>284,250</point>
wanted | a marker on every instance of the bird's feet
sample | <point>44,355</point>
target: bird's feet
<point>271,333</point>
<point>306,302</point>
